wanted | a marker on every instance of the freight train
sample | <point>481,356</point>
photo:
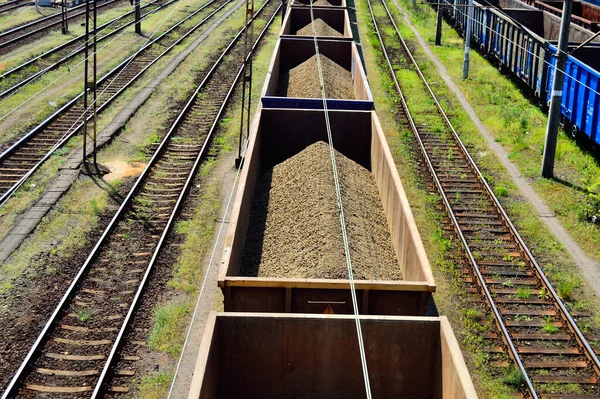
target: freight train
<point>515,38</point>
<point>288,322</point>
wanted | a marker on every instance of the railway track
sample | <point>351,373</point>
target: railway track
<point>22,34</point>
<point>26,72</point>
<point>13,5</point>
<point>22,158</point>
<point>530,328</point>
<point>75,352</point>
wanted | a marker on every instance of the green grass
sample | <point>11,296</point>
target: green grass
<point>514,378</point>
<point>155,386</point>
<point>548,327</point>
<point>168,331</point>
<point>61,233</point>
<point>523,293</point>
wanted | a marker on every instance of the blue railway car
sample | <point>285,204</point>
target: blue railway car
<point>580,104</point>
<point>528,57</point>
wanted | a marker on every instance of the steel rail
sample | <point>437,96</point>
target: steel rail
<point>14,384</point>
<point>41,29</point>
<point>5,154</point>
<point>34,22</point>
<point>14,4</point>
<point>482,284</point>
<point>77,51</point>
<point>183,194</point>
<point>497,317</point>
<point>565,314</point>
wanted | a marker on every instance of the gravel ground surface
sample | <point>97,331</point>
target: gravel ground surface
<point>294,224</point>
<point>303,80</point>
<point>321,27</point>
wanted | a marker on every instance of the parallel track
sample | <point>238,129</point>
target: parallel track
<point>13,5</point>
<point>18,36</point>
<point>75,354</point>
<point>22,158</point>
<point>531,329</point>
<point>19,76</point>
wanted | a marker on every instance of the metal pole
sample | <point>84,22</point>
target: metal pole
<point>85,79</point>
<point>556,95</point>
<point>468,40</point>
<point>90,79</point>
<point>246,81</point>
<point>138,16</point>
<point>63,15</point>
<point>438,30</point>
<point>94,84</point>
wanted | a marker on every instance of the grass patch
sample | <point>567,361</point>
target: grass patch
<point>155,386</point>
<point>170,320</point>
<point>61,233</point>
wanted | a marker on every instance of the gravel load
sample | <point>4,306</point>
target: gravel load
<point>294,229</point>
<point>321,3</point>
<point>303,80</point>
<point>321,27</point>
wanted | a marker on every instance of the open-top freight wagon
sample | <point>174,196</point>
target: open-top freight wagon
<point>279,134</point>
<point>316,356</point>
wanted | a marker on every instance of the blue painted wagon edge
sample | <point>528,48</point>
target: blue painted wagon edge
<point>316,103</point>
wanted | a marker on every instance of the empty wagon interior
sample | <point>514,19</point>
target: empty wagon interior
<point>300,356</point>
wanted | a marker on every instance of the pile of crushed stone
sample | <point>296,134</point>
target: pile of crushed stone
<point>295,230</point>
<point>321,27</point>
<point>302,81</point>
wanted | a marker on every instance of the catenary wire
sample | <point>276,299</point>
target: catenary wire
<point>338,193</point>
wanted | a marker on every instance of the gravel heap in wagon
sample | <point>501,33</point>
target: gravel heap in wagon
<point>295,230</point>
<point>302,81</point>
<point>321,27</point>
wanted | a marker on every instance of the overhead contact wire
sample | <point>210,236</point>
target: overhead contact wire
<point>338,192</point>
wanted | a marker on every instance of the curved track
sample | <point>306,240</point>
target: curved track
<point>19,76</point>
<point>20,35</point>
<point>76,350</point>
<point>531,329</point>
<point>21,159</point>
